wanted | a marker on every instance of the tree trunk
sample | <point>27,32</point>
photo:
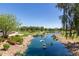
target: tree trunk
<point>77,32</point>
<point>66,31</point>
<point>5,34</point>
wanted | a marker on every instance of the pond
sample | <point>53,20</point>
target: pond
<point>46,46</point>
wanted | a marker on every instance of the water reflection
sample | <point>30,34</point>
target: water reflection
<point>46,46</point>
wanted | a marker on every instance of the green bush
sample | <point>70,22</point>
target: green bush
<point>6,46</point>
<point>17,36</point>
<point>18,39</point>
<point>19,54</point>
<point>2,39</point>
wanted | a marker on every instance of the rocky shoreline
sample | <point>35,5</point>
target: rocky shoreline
<point>18,48</point>
<point>72,45</point>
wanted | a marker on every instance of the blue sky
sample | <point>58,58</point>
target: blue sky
<point>46,15</point>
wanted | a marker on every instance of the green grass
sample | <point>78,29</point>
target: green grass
<point>25,33</point>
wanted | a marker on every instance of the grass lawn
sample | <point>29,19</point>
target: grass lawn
<point>26,33</point>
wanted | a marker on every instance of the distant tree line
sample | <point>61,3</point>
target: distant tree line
<point>34,29</point>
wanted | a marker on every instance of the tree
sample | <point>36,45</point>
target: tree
<point>8,23</point>
<point>71,11</point>
<point>76,17</point>
<point>63,7</point>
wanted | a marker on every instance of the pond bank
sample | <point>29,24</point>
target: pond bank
<point>72,45</point>
<point>18,48</point>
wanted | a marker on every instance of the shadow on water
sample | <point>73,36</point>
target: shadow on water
<point>47,47</point>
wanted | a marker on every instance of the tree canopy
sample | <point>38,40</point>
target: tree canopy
<point>8,23</point>
<point>70,17</point>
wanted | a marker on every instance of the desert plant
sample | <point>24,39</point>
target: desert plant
<point>8,23</point>
<point>2,39</point>
<point>18,39</point>
<point>6,46</point>
<point>19,54</point>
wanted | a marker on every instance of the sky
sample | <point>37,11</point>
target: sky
<point>34,14</point>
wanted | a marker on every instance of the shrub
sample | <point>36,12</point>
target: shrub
<point>18,39</point>
<point>19,54</point>
<point>17,35</point>
<point>6,46</point>
<point>2,39</point>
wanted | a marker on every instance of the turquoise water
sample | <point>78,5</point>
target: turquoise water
<point>46,46</point>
